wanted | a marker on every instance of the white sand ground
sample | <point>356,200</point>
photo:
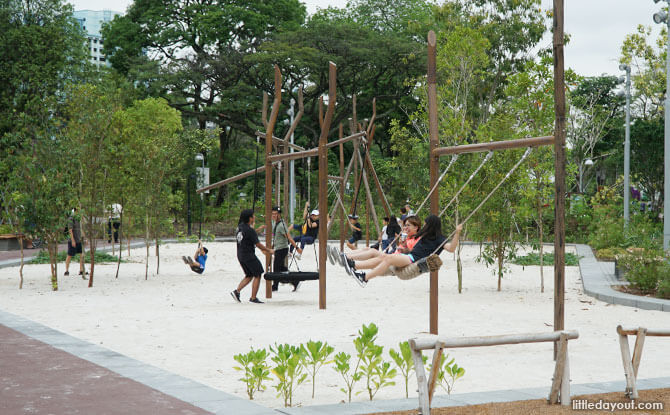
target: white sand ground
<point>189,324</point>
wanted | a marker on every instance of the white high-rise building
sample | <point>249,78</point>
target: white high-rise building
<point>91,21</point>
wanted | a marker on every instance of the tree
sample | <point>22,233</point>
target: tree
<point>532,104</point>
<point>90,113</point>
<point>149,130</point>
<point>41,50</point>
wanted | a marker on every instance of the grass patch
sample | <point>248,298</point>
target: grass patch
<point>100,257</point>
<point>534,259</point>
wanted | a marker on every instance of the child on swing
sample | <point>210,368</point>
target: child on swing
<point>430,239</point>
<point>356,232</point>
<point>197,263</point>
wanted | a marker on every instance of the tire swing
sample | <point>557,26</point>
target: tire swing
<point>433,262</point>
<point>290,277</point>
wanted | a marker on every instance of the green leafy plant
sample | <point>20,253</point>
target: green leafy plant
<point>255,370</point>
<point>405,363</point>
<point>644,267</point>
<point>100,257</point>
<point>343,367</point>
<point>534,259</point>
<point>448,373</point>
<point>316,355</point>
<point>377,373</point>
<point>289,370</point>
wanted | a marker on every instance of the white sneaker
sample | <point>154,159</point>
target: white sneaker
<point>297,255</point>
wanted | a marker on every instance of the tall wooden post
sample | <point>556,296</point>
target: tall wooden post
<point>434,164</point>
<point>342,184</point>
<point>323,183</point>
<point>559,169</point>
<point>269,131</point>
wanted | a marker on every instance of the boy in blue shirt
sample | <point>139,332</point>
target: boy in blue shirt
<point>200,256</point>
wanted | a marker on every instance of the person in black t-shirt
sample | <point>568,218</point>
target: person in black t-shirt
<point>309,230</point>
<point>430,239</point>
<point>356,232</point>
<point>247,241</point>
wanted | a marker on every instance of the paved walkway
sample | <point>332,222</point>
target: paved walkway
<point>598,278</point>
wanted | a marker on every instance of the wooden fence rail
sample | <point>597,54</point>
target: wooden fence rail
<point>630,365</point>
<point>560,388</point>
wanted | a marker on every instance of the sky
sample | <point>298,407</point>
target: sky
<point>597,27</point>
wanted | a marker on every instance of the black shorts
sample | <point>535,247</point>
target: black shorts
<point>252,268</point>
<point>73,250</point>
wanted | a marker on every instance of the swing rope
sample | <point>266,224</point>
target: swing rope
<point>509,173</point>
<point>486,159</point>
<point>433,261</point>
<point>437,183</point>
<point>253,206</point>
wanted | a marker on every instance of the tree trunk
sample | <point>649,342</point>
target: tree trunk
<point>541,230</point>
<point>146,243</point>
<point>500,268</point>
<point>158,257</point>
<point>118,262</point>
<point>91,249</point>
<point>53,258</point>
<point>21,267</point>
<point>459,264</point>
<point>130,223</point>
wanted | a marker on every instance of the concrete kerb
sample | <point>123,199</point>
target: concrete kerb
<point>598,278</point>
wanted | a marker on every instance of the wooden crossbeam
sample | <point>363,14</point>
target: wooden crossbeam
<point>494,145</point>
<point>232,179</point>
<point>281,141</point>
<point>314,151</point>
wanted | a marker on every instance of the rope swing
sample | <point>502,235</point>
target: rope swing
<point>433,261</point>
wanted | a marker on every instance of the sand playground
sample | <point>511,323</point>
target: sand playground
<point>189,324</point>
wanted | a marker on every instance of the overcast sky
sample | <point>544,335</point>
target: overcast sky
<point>597,27</point>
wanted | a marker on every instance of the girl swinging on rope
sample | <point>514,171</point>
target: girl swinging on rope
<point>431,241</point>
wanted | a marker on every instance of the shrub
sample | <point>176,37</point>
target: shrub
<point>664,286</point>
<point>316,355</point>
<point>405,362</point>
<point>534,259</point>
<point>290,364</point>
<point>255,370</point>
<point>609,254</point>
<point>643,267</point>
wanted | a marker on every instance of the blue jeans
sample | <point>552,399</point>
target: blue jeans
<point>304,240</point>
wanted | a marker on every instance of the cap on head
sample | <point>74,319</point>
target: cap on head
<point>315,212</point>
<point>352,216</point>
<point>276,209</point>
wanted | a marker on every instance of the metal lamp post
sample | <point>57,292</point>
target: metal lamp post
<point>626,154</point>
<point>662,17</point>
<point>291,210</point>
<point>200,157</point>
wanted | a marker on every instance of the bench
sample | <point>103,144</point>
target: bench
<point>560,387</point>
<point>10,242</point>
<point>630,365</point>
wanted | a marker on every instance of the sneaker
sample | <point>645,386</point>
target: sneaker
<point>186,261</point>
<point>66,273</point>
<point>83,272</point>
<point>297,255</point>
<point>360,278</point>
<point>329,252</point>
<point>347,266</point>
<point>255,300</point>
<point>342,258</point>
<point>296,285</point>
<point>351,263</point>
<point>236,296</point>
